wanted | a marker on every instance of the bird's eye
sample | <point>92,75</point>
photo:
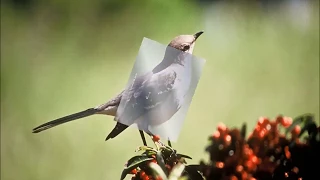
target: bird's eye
<point>186,47</point>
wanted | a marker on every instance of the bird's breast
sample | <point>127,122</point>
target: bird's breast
<point>182,84</point>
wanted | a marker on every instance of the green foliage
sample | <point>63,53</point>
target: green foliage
<point>162,162</point>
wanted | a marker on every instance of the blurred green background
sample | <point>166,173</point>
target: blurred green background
<point>63,56</point>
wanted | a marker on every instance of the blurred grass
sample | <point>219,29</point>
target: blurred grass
<point>60,57</point>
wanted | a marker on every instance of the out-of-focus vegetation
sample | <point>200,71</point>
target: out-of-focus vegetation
<point>62,56</point>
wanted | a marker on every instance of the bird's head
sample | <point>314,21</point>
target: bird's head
<point>185,43</point>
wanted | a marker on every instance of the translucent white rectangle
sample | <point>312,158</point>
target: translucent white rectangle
<point>160,89</point>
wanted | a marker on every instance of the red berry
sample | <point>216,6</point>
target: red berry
<point>227,139</point>
<point>287,152</point>
<point>216,135</point>
<point>233,178</point>
<point>142,174</point>
<point>244,175</point>
<point>219,165</point>
<point>249,164</point>
<point>133,171</point>
<point>239,168</point>
<point>296,130</point>
<point>263,121</point>
<point>286,174</point>
<point>221,127</point>
<point>254,159</point>
<point>247,151</point>
<point>262,133</point>
<point>286,121</point>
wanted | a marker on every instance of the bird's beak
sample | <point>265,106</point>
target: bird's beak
<point>196,35</point>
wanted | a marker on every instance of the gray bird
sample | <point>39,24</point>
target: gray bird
<point>161,90</point>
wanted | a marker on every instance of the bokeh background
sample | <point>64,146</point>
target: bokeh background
<point>63,56</point>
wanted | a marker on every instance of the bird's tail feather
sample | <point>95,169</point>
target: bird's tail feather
<point>65,119</point>
<point>117,130</point>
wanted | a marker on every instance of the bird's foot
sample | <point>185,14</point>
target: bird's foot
<point>156,141</point>
<point>159,144</point>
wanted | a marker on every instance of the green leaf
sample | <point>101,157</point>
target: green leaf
<point>161,162</point>
<point>157,170</point>
<point>167,151</point>
<point>176,172</point>
<point>305,118</point>
<point>149,153</point>
<point>145,148</point>
<point>193,172</point>
<point>133,163</point>
<point>243,131</point>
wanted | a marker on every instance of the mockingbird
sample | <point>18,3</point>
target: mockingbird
<point>163,87</point>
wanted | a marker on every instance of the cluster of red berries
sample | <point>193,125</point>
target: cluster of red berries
<point>266,154</point>
<point>273,151</point>
<point>168,158</point>
<point>138,174</point>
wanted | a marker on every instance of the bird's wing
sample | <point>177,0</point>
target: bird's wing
<point>112,102</point>
<point>146,93</point>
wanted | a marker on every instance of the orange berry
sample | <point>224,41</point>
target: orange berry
<point>295,170</point>
<point>287,152</point>
<point>296,130</point>
<point>239,168</point>
<point>233,178</point>
<point>133,171</point>
<point>142,174</point>
<point>227,138</point>
<point>222,127</point>
<point>244,175</point>
<point>247,151</point>
<point>249,165</point>
<point>286,174</point>
<point>254,159</point>
<point>286,121</point>
<point>263,121</point>
<point>146,177</point>
<point>219,165</point>
<point>262,133</point>
<point>257,128</point>
<point>216,135</point>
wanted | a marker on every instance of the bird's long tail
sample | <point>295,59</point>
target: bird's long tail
<point>65,119</point>
<point>117,130</point>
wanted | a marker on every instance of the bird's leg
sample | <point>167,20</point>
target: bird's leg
<point>143,138</point>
